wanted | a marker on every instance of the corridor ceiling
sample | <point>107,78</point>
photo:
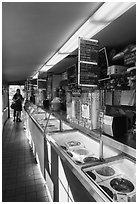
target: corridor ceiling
<point>33,31</point>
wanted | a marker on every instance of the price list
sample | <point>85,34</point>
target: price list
<point>88,70</point>
<point>72,75</point>
<point>89,74</point>
<point>41,84</point>
<point>34,81</point>
<point>89,51</point>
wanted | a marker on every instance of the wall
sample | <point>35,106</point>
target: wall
<point>5,103</point>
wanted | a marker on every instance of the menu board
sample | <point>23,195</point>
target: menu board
<point>103,63</point>
<point>72,75</point>
<point>42,75</point>
<point>41,84</point>
<point>88,70</point>
<point>49,86</point>
<point>33,81</point>
<point>89,74</point>
<point>26,86</point>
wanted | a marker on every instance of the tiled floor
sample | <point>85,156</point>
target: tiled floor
<point>21,177</point>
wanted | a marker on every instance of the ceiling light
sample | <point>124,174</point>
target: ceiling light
<point>56,58</point>
<point>106,14</point>
<point>35,76</point>
<point>45,68</point>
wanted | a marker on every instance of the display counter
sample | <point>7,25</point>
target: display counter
<point>4,116</point>
<point>69,158</point>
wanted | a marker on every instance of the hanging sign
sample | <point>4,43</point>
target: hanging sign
<point>72,75</point>
<point>88,70</point>
<point>41,83</point>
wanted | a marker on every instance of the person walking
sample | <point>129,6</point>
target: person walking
<point>18,99</point>
<point>14,114</point>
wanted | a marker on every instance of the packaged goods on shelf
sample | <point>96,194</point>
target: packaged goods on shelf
<point>116,69</point>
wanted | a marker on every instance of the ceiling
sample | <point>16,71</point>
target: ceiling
<point>33,31</point>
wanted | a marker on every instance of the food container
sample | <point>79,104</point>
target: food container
<point>55,104</point>
<point>116,69</point>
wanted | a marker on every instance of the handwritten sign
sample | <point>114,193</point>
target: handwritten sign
<point>88,70</point>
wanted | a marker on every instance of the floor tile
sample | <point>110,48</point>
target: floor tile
<point>9,199</point>
<point>22,180</point>
<point>21,190</point>
<point>41,194</point>
<point>10,186</point>
<point>31,196</point>
<point>9,193</point>
<point>30,188</point>
<point>20,198</point>
<point>39,181</point>
<point>37,176</point>
<point>30,183</point>
<point>43,199</point>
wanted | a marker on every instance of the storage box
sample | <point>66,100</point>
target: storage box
<point>115,69</point>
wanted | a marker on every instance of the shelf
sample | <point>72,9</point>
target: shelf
<point>108,78</point>
<point>124,72</point>
<point>130,69</point>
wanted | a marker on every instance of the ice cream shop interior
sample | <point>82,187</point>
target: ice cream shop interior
<point>69,101</point>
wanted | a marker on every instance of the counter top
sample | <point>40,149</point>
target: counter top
<point>55,139</point>
<point>126,145</point>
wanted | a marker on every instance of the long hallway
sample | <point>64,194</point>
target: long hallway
<point>21,177</point>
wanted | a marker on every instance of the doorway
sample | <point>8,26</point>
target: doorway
<point>12,91</point>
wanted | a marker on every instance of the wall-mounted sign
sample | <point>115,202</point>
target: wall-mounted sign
<point>85,111</point>
<point>41,83</point>
<point>42,75</point>
<point>88,70</point>
<point>33,81</point>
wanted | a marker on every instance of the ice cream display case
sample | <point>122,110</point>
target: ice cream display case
<point>82,149</point>
<point>117,179</point>
<point>114,175</point>
<point>46,120</point>
<point>111,177</point>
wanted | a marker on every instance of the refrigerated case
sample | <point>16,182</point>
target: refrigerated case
<point>116,178</point>
<point>67,154</point>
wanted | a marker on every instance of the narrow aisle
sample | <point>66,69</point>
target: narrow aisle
<point>21,177</point>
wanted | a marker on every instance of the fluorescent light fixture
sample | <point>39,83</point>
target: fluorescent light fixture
<point>106,14</point>
<point>53,61</point>
<point>45,68</point>
<point>110,11</point>
<point>56,58</point>
<point>35,76</point>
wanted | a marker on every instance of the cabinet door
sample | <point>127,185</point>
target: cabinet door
<point>71,199</point>
<point>63,195</point>
<point>49,152</point>
<point>38,139</point>
<point>49,184</point>
<point>62,173</point>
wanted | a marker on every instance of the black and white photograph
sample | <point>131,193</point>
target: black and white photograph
<point>68,101</point>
